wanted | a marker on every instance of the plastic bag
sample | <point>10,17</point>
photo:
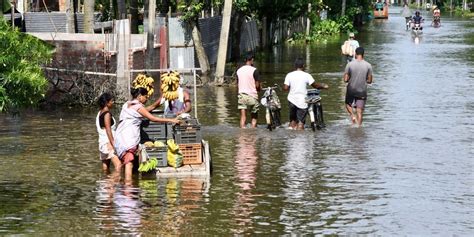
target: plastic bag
<point>347,48</point>
<point>174,156</point>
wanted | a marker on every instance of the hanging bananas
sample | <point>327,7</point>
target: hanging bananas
<point>144,81</point>
<point>170,85</point>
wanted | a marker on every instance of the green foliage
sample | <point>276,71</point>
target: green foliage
<point>22,83</point>
<point>458,11</point>
<point>345,24</point>
<point>323,30</point>
<point>327,28</point>
<point>190,10</point>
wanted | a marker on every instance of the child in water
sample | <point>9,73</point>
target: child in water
<point>106,125</point>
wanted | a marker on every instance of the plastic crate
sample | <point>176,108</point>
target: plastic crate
<point>192,153</point>
<point>160,153</point>
<point>184,134</point>
<point>157,131</point>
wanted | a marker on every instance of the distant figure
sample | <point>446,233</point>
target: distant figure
<point>417,19</point>
<point>296,83</point>
<point>357,74</point>
<point>349,51</point>
<point>249,84</point>
<point>436,15</point>
<point>406,12</point>
<point>379,6</point>
<point>106,125</point>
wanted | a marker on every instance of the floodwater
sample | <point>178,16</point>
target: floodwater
<point>408,171</point>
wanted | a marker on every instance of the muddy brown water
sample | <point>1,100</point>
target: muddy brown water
<point>408,171</point>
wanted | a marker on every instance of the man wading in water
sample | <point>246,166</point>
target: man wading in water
<point>358,74</point>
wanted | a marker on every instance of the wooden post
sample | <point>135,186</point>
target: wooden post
<point>264,32</point>
<point>122,31</point>
<point>1,8</point>
<point>222,51</point>
<point>150,47</point>
<point>12,13</point>
<point>308,21</point>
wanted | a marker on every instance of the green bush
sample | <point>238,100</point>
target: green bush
<point>22,82</point>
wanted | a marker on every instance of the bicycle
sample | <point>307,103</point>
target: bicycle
<point>315,109</point>
<point>272,105</point>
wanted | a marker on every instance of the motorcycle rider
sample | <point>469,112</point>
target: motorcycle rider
<point>417,19</point>
<point>296,83</point>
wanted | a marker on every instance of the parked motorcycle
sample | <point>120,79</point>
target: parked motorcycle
<point>272,105</point>
<point>315,109</point>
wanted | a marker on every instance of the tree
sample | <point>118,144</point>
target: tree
<point>89,16</point>
<point>134,16</point>
<point>191,12</point>
<point>22,82</point>
<point>122,9</point>
<point>343,10</point>
<point>70,15</point>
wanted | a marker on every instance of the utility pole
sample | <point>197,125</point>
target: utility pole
<point>222,51</point>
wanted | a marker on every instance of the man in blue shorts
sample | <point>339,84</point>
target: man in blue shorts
<point>358,74</point>
<point>296,83</point>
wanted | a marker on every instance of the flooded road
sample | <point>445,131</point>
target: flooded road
<point>408,171</point>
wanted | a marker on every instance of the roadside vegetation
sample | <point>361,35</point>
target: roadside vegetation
<point>22,82</point>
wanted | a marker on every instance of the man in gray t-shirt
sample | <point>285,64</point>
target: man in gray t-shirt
<point>358,74</point>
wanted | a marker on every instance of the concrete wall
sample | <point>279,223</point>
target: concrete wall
<point>94,54</point>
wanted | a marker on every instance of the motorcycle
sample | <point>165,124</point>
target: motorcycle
<point>417,29</point>
<point>272,105</point>
<point>315,109</point>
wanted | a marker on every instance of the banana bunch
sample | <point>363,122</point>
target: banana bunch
<point>170,85</point>
<point>148,165</point>
<point>172,146</point>
<point>144,81</point>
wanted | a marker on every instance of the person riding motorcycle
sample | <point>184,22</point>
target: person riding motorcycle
<point>417,20</point>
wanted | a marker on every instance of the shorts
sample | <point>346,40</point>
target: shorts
<point>358,102</point>
<point>297,114</point>
<point>129,155</point>
<point>106,151</point>
<point>248,102</point>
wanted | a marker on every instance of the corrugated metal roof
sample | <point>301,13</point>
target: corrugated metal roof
<point>50,22</point>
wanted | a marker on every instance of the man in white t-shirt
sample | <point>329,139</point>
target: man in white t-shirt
<point>296,83</point>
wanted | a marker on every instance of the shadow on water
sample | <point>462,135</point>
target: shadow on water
<point>407,171</point>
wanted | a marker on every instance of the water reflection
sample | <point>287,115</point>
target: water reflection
<point>298,170</point>
<point>222,110</point>
<point>246,161</point>
<point>118,207</point>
